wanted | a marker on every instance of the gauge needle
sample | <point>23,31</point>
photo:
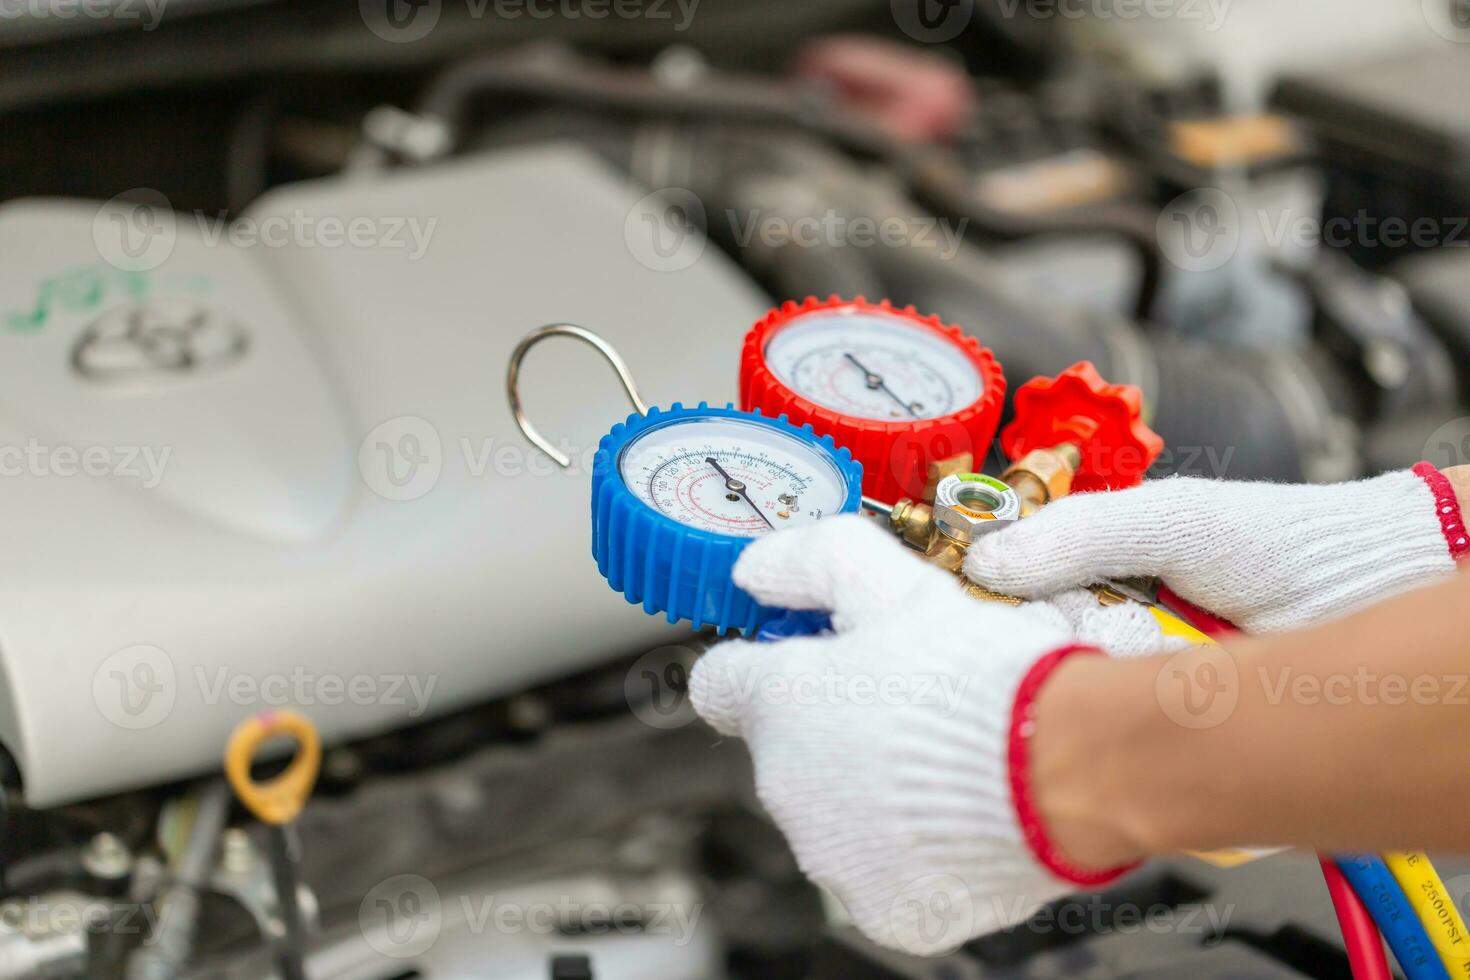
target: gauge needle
<point>876,383</point>
<point>735,486</point>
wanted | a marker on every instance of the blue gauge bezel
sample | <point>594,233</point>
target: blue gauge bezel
<point>666,566</point>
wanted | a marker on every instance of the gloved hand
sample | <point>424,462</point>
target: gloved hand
<point>1264,556</point>
<point>893,754</point>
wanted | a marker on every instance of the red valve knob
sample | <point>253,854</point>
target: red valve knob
<point>1104,421</point>
<point>894,450</point>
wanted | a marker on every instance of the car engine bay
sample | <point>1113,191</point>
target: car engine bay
<point>265,264</point>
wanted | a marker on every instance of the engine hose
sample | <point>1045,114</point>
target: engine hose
<point>935,177</point>
<point>167,952</point>
<point>1395,916</point>
<point>1361,939</point>
<point>1235,413</point>
<point>1360,936</point>
<point>944,186</point>
<point>1222,412</point>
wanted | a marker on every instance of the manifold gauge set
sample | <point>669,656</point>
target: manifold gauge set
<point>845,405</point>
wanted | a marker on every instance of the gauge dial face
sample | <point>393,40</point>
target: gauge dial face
<point>873,366</point>
<point>733,477</point>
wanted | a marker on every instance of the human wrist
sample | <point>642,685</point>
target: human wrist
<point>1074,772</point>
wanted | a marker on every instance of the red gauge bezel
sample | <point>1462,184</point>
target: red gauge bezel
<point>894,455</point>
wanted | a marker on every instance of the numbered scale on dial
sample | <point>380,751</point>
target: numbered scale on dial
<point>678,494</point>
<point>896,388</point>
<point>732,476</point>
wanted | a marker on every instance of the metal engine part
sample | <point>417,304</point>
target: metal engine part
<point>343,493</point>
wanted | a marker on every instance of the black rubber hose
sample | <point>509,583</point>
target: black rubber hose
<point>936,179</point>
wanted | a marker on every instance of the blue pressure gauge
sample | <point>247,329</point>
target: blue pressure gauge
<point>678,494</point>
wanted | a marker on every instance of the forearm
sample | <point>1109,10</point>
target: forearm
<point>1352,735</point>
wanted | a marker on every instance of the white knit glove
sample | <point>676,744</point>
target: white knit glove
<point>884,751</point>
<point>1127,629</point>
<point>1264,556</point>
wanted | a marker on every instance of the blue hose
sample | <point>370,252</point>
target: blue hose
<point>1394,916</point>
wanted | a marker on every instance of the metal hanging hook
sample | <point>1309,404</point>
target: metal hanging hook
<point>512,380</point>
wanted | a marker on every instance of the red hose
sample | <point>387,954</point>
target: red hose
<point>1359,932</point>
<point>1360,936</point>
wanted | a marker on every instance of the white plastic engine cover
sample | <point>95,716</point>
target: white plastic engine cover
<point>327,505</point>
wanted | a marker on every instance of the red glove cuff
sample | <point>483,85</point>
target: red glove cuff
<point>1447,506</point>
<point>1023,726</point>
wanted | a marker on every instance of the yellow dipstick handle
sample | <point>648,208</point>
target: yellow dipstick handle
<point>279,800</point>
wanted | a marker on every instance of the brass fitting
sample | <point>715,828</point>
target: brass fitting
<point>941,468</point>
<point>913,521</point>
<point>1043,475</point>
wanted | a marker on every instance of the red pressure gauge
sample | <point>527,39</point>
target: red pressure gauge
<point>895,388</point>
